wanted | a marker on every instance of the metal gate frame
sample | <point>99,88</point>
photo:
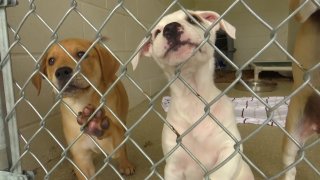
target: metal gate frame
<point>15,171</point>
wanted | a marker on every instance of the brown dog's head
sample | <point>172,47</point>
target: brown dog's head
<point>98,66</point>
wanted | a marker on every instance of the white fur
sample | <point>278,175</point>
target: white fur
<point>209,143</point>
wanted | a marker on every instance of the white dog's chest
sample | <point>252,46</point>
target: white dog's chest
<point>206,138</point>
<point>189,110</point>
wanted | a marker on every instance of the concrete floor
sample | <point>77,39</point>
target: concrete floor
<point>263,148</point>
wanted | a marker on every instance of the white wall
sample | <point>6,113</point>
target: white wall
<point>251,35</point>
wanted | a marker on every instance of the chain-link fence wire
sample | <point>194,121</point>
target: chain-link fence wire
<point>20,97</point>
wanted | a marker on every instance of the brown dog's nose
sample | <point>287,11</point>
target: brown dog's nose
<point>172,31</point>
<point>63,73</point>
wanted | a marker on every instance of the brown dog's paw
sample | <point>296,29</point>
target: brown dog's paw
<point>126,168</point>
<point>97,125</point>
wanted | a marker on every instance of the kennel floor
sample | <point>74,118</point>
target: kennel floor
<point>263,149</point>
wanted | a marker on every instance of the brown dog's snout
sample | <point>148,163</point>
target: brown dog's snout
<point>172,31</point>
<point>63,73</point>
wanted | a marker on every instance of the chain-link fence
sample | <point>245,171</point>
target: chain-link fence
<point>35,140</point>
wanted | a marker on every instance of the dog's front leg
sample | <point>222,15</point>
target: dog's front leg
<point>290,149</point>
<point>102,127</point>
<point>125,166</point>
<point>235,168</point>
<point>289,156</point>
<point>173,171</point>
<point>83,159</point>
<point>303,121</point>
<point>174,168</point>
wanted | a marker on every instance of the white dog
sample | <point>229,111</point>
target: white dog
<point>173,41</point>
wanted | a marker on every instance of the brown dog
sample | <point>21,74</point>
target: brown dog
<point>303,119</point>
<point>98,67</point>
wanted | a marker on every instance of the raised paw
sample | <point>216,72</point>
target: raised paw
<point>97,124</point>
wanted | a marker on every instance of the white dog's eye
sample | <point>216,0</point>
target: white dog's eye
<point>157,33</point>
<point>191,20</point>
<point>51,61</point>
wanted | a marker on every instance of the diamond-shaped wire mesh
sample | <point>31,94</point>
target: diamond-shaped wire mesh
<point>35,26</point>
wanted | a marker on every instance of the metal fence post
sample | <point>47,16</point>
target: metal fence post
<point>4,164</point>
<point>8,93</point>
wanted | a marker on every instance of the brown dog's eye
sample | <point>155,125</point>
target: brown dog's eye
<point>51,61</point>
<point>80,54</point>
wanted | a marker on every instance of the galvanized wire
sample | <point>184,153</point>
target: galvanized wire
<point>152,100</point>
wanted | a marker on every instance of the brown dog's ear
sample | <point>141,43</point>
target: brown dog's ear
<point>109,65</point>
<point>37,78</point>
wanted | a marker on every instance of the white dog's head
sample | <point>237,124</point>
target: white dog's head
<point>176,36</point>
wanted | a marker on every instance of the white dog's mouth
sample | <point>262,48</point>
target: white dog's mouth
<point>177,45</point>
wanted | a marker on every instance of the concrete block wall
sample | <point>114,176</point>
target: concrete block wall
<point>251,35</point>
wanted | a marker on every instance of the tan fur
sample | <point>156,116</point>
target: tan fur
<point>306,11</point>
<point>100,68</point>
<point>293,4</point>
<point>307,53</point>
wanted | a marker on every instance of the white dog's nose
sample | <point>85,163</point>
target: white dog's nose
<point>172,31</point>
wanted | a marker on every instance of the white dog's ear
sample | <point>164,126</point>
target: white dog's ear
<point>213,16</point>
<point>144,51</point>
